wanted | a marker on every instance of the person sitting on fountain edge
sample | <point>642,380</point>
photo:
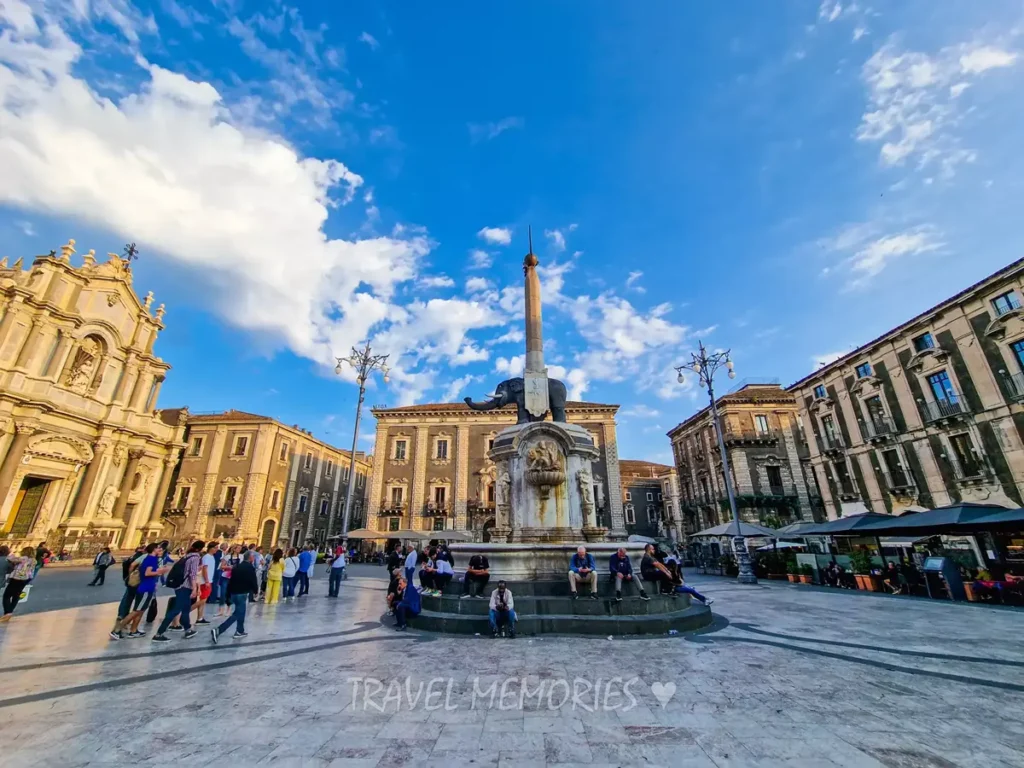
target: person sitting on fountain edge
<point>502,611</point>
<point>435,575</point>
<point>656,572</point>
<point>477,573</point>
<point>582,568</point>
<point>622,571</point>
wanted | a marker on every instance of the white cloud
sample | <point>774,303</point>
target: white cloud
<point>185,15</point>
<point>858,33</point>
<point>510,366</point>
<point>513,336</point>
<point>27,227</point>
<point>222,201</point>
<point>985,58</point>
<point>495,235</point>
<point>556,237</point>
<point>456,386</point>
<point>487,131</point>
<point>478,285</point>
<point>436,281</point>
<point>641,411</point>
<point>479,259</point>
<point>829,10</point>
<point>868,250</point>
<point>912,109</point>
<point>370,40</point>
<point>631,281</point>
<point>576,380</point>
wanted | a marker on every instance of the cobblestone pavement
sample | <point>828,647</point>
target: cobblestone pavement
<point>788,676</point>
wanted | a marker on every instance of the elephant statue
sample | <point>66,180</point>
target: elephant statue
<point>513,391</point>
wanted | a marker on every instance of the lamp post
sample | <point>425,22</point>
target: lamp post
<point>705,366</point>
<point>364,363</point>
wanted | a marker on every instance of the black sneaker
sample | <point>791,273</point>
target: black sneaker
<point>400,629</point>
<point>593,595</point>
<point>512,634</point>
<point>645,596</point>
<point>494,633</point>
<point>190,634</point>
<point>575,596</point>
<point>115,635</point>
<point>618,597</point>
<point>202,621</point>
<point>240,635</point>
<point>178,628</point>
<point>133,635</point>
<point>161,639</point>
<point>215,636</point>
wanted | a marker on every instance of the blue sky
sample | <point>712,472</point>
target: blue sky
<point>786,180</point>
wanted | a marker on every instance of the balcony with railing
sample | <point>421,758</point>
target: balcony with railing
<point>847,490</point>
<point>776,490</point>
<point>898,479</point>
<point>392,509</point>
<point>831,443</point>
<point>879,428</point>
<point>750,436</point>
<point>952,407</point>
<point>438,509</point>
<point>175,512</point>
<point>968,469</point>
<point>222,512</point>
<point>1014,384</point>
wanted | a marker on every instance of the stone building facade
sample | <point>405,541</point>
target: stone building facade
<point>767,455</point>
<point>84,456</point>
<point>431,470</point>
<point>929,413</point>
<point>246,477</point>
<point>650,499</point>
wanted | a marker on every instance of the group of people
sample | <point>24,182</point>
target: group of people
<point>229,576</point>
<point>437,569</point>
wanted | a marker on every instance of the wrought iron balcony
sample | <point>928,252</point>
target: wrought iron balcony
<point>939,410</point>
<point>1014,384</point>
<point>175,512</point>
<point>776,490</point>
<point>1008,304</point>
<point>846,488</point>
<point>222,512</point>
<point>830,443</point>
<point>391,509</point>
<point>879,428</point>
<point>433,509</point>
<point>970,468</point>
<point>899,479</point>
<point>750,436</point>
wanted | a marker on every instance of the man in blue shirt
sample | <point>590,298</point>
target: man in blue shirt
<point>583,568</point>
<point>307,559</point>
<point>622,571</point>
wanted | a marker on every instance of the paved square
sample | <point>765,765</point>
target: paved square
<point>789,676</point>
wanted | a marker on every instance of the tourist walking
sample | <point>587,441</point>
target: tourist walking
<point>243,583</point>
<point>23,573</point>
<point>227,563</point>
<point>291,570</point>
<point>336,575</point>
<point>207,569</point>
<point>100,563</point>
<point>183,578</point>
<point>410,562</point>
<point>275,575</point>
<point>42,557</point>
<point>143,575</point>
<point>307,559</point>
<point>257,564</point>
<point>131,577</point>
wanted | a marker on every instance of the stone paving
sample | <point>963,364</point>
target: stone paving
<point>788,676</point>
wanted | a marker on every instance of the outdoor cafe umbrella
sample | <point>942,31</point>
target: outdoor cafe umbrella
<point>363,533</point>
<point>794,529</point>
<point>1000,518</point>
<point>848,526</point>
<point>949,519</point>
<point>747,530</point>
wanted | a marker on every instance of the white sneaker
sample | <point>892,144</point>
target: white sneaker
<point>710,601</point>
<point>465,597</point>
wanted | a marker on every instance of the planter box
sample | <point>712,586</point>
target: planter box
<point>806,579</point>
<point>969,590</point>
<point>777,576</point>
<point>867,582</point>
<point>795,579</point>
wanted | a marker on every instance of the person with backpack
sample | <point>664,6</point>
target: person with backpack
<point>23,573</point>
<point>100,563</point>
<point>183,578</point>
<point>131,577</point>
<point>143,574</point>
<point>232,558</point>
<point>291,570</point>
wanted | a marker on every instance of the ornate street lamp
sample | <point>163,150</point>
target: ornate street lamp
<point>705,366</point>
<point>364,363</point>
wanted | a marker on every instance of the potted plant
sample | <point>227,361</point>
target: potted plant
<point>792,569</point>
<point>860,561</point>
<point>806,574</point>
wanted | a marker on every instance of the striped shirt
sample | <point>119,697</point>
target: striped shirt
<point>191,570</point>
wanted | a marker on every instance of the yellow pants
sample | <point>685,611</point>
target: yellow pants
<point>273,590</point>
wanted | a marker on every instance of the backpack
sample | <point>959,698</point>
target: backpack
<point>135,571</point>
<point>176,577</point>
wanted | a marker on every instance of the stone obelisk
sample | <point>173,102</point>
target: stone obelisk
<point>535,377</point>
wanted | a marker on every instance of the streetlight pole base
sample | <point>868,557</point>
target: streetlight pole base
<point>746,578</point>
<point>743,565</point>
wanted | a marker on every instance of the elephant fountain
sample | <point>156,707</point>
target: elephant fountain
<point>514,391</point>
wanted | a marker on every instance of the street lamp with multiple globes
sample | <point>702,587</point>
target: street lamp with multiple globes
<point>364,363</point>
<point>705,366</point>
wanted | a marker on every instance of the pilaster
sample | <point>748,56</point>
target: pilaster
<point>419,478</point>
<point>741,471</point>
<point>793,459</point>
<point>256,482</point>
<point>611,458</point>
<point>461,477</point>
<point>210,480</point>
<point>380,450</point>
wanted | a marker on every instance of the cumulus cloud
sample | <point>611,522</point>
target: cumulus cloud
<point>557,237</point>
<point>913,111</point>
<point>511,366</point>
<point>495,235</point>
<point>487,131</point>
<point>640,411</point>
<point>167,166</point>
<point>513,336</point>
<point>456,386</point>
<point>436,281</point>
<point>370,40</point>
<point>478,285</point>
<point>479,259</point>
<point>631,281</point>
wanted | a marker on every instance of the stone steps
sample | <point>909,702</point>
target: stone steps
<point>691,618</point>
<point>561,605</point>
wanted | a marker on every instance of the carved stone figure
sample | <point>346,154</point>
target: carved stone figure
<point>504,489</point>
<point>513,391</point>
<point>544,457</point>
<point>83,367</point>
<point>585,482</point>
<point>106,507</point>
<point>149,300</point>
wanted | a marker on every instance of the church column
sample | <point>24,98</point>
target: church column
<point>134,456</point>
<point>13,458</point>
<point>34,342</point>
<point>419,477</point>
<point>461,477</point>
<point>92,473</point>
<point>156,513</point>
<point>611,460</point>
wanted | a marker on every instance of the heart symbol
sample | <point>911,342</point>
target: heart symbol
<point>663,692</point>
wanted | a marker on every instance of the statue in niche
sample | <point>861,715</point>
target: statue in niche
<point>543,457</point>
<point>585,482</point>
<point>83,367</point>
<point>504,489</point>
<point>106,508</point>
